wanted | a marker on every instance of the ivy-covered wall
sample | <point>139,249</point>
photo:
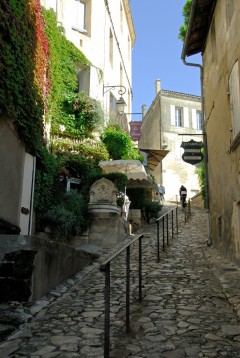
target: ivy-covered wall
<point>38,68</point>
<point>23,67</point>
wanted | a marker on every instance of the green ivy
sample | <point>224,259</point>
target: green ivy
<point>64,61</point>
<point>20,97</point>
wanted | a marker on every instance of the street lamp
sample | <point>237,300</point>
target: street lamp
<point>120,105</point>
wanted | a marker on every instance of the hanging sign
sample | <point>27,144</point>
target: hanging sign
<point>192,152</point>
<point>135,130</point>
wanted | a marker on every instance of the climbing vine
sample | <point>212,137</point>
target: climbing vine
<point>22,79</point>
<point>66,61</point>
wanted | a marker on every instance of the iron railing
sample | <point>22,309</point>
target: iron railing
<point>167,220</point>
<point>164,220</point>
<point>106,266</point>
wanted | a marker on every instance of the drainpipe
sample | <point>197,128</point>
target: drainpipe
<point>158,93</point>
<point>209,242</point>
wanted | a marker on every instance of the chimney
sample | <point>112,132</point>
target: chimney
<point>158,86</point>
<point>143,110</point>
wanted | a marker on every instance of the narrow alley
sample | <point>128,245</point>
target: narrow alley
<point>190,306</point>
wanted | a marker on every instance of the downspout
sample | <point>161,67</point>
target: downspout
<point>209,242</point>
<point>183,57</point>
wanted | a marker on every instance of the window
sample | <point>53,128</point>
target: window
<point>80,15</point>
<point>199,123</point>
<point>197,120</point>
<point>235,99</point>
<point>112,104</point>
<point>178,117</point>
<point>84,79</point>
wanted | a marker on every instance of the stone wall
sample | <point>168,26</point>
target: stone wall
<point>221,52</point>
<point>52,263</point>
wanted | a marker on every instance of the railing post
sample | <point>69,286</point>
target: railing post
<point>140,269</point>
<point>107,312</point>
<point>127,289</point>
<point>167,231</point>
<point>163,231</point>
<point>177,218</point>
<point>172,225</point>
<point>158,254</point>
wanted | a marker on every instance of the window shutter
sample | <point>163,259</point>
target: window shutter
<point>194,118</point>
<point>172,109</point>
<point>185,117</point>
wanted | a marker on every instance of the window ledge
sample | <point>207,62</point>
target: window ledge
<point>235,143</point>
<point>82,31</point>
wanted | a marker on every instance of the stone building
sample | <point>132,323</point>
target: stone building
<point>173,117</point>
<point>213,31</point>
<point>104,31</point>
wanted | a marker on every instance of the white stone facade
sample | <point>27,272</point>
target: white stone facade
<point>103,30</point>
<point>172,118</point>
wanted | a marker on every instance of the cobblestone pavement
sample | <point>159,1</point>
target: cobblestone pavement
<point>190,306</point>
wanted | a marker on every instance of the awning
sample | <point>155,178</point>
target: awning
<point>133,169</point>
<point>154,157</point>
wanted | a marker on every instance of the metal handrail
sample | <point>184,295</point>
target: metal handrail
<point>162,219</point>
<point>106,266</point>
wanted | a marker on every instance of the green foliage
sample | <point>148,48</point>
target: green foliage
<point>83,115</point>
<point>64,61</point>
<point>94,151</point>
<point>119,144</point>
<point>68,218</point>
<point>20,96</point>
<point>152,209</point>
<point>79,167</point>
<point>185,13</point>
<point>201,176</point>
<point>45,180</point>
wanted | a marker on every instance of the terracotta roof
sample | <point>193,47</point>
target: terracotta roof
<point>198,26</point>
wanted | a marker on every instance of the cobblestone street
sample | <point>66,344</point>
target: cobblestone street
<point>190,306</point>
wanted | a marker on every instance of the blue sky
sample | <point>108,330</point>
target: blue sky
<point>157,52</point>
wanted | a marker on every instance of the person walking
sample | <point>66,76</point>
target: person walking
<point>183,195</point>
<point>161,191</point>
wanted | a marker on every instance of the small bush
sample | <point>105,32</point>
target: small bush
<point>152,209</point>
<point>68,218</point>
